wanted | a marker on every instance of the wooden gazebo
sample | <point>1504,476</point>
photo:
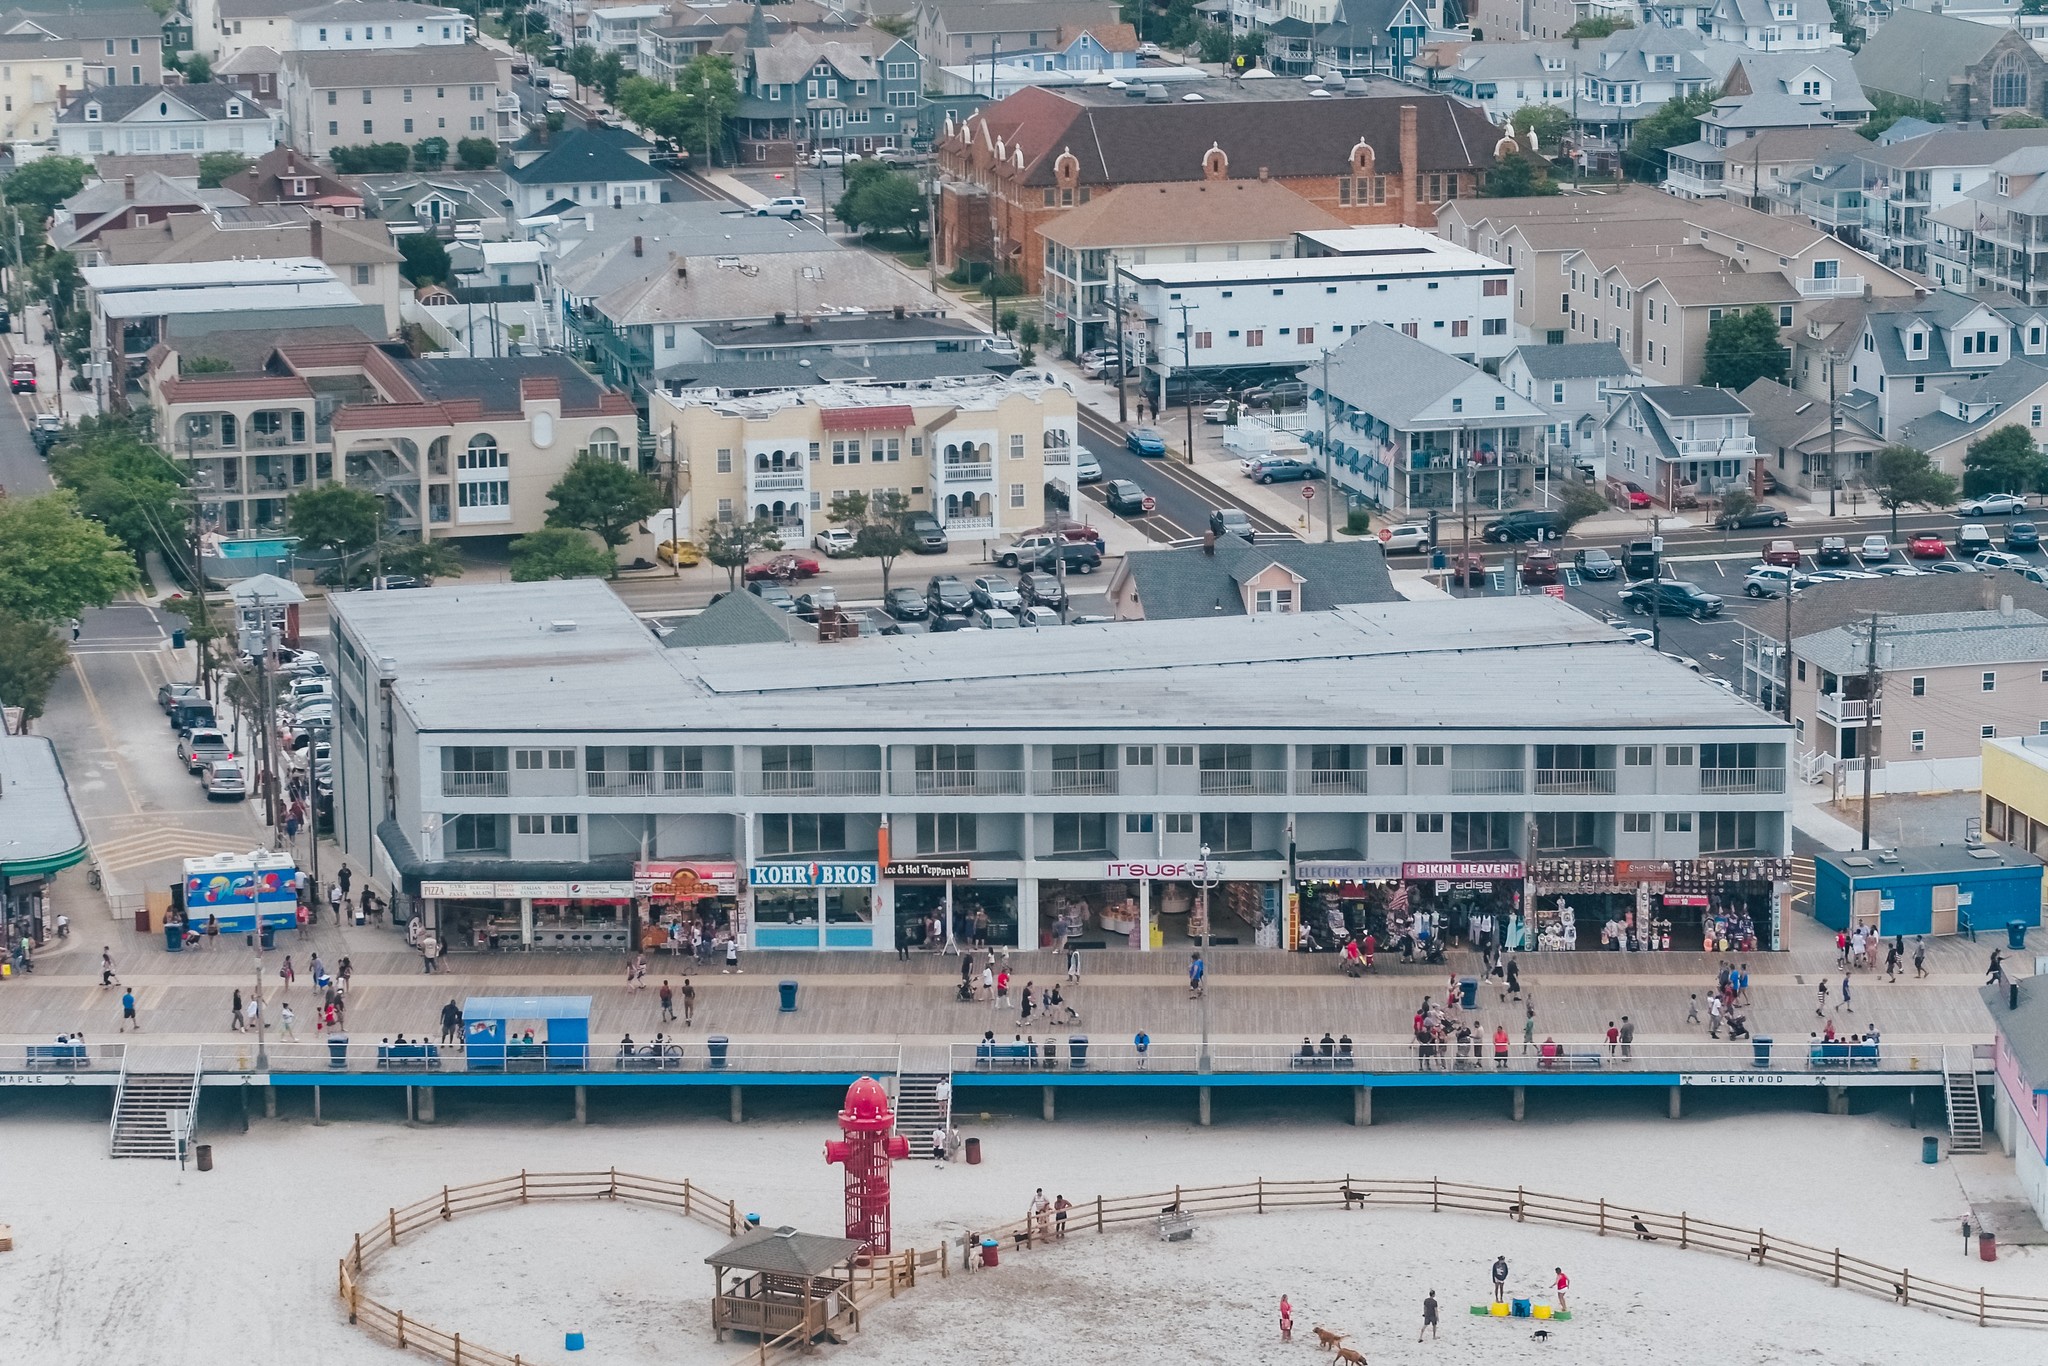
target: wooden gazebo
<point>778,1283</point>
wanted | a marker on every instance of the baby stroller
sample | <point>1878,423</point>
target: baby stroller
<point>1738,1028</point>
<point>965,991</point>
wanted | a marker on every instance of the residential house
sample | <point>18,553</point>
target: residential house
<point>456,448</point>
<point>346,99</point>
<point>1775,25</point>
<point>1765,94</point>
<point>1608,85</point>
<point>1343,39</point>
<point>258,73</point>
<point>358,252</point>
<point>188,120</point>
<point>1800,172</point>
<point>1796,442</point>
<point>961,32</point>
<point>975,453</point>
<point>1970,71</point>
<point>286,176</point>
<point>1575,385</point>
<point>803,91</point>
<point>444,203</point>
<point>1202,221</point>
<point>1229,576</point>
<point>1905,354</point>
<point>1512,21</point>
<point>1413,429</point>
<point>2019,1015</point>
<point>615,30</point>
<point>1994,239</point>
<point>150,197</point>
<point>375,25</point>
<point>1680,442</point>
<point>2013,395</point>
<point>223,28</point>
<point>1006,170</point>
<point>44,59</point>
<point>592,165</point>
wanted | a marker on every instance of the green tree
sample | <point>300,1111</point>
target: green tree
<point>47,182</point>
<point>216,167</point>
<point>1028,332</point>
<point>476,154</point>
<point>336,517</point>
<point>1576,501</point>
<point>1677,123</point>
<point>426,260</point>
<point>604,497</point>
<point>1886,110</point>
<point>1902,475</point>
<point>430,154</point>
<point>710,93</point>
<point>1596,28</point>
<point>198,69</point>
<point>371,158</point>
<point>881,201</point>
<point>1519,176</point>
<point>1552,124</point>
<point>606,75</point>
<point>203,625</point>
<point>876,521</point>
<point>55,562</point>
<point>895,25</point>
<point>123,483</point>
<point>558,553</point>
<point>2002,461</point>
<point>1743,347</point>
<point>204,365</point>
<point>2022,121</point>
<point>1736,503</point>
<point>581,64</point>
<point>729,545</point>
<point>1843,21</point>
<point>1214,42</point>
<point>31,657</point>
<point>427,561</point>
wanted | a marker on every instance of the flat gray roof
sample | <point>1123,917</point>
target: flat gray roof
<point>485,658</point>
<point>39,830</point>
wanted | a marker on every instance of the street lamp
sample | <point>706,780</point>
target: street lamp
<point>1204,879</point>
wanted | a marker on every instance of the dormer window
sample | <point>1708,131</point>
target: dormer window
<point>92,113</point>
<point>234,109</point>
<point>1919,340</point>
<point>299,187</point>
<point>2004,185</point>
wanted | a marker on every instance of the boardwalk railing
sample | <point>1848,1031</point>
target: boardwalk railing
<point>345,1054</point>
<point>882,1276</point>
<point>63,1059</point>
<point>1836,1267</point>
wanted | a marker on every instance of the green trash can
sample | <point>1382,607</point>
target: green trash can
<point>787,989</point>
<point>2015,934</point>
<point>1930,1149</point>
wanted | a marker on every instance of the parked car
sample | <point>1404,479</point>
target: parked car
<point>1670,597</point>
<point>951,621</point>
<point>1286,471</point>
<point>875,622</point>
<point>1527,524</point>
<point>945,595</point>
<point>1125,498</point>
<point>1027,548</point>
<point>188,713</point>
<point>1539,567</point>
<point>1760,516</point>
<point>834,541</point>
<point>1145,441</point>
<point>1997,559</point>
<point>1628,493</point>
<point>791,206</point>
<point>824,598</point>
<point>1767,482</point>
<point>1087,468</point>
<point>223,780</point>
<point>1783,553</point>
<point>905,604</point>
<point>926,536</point>
<point>1079,557</point>
<point>1219,412</point>
<point>1769,580</point>
<point>993,590</point>
<point>2022,536</point>
<point>833,156</point>
<point>1926,545</point>
<point>1230,522</point>
<point>1972,538</point>
<point>901,156</point>
<point>772,592</point>
<point>1094,362</point>
<point>1642,560</point>
<point>1595,563</point>
<point>787,565</point>
<point>1037,617</point>
<point>199,746</point>
<point>1468,569</point>
<point>1875,549</point>
<point>168,695</point>
<point>1407,537</point>
<point>1286,393</point>
<point>1992,505</point>
<point>1833,550</point>
<point>1953,567</point>
<point>994,619</point>
<point>1041,588</point>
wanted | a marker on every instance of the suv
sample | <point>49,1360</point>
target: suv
<point>199,747</point>
<point>1833,550</point>
<point>791,206</point>
<point>223,780</point>
<point>1041,588</point>
<point>1286,393</point>
<point>1595,563</point>
<point>993,590</point>
<point>1276,471</point>
<point>1670,597</point>
<point>945,595</point>
<point>1027,548</point>
<point>1641,560</point>
<point>1529,524</point>
<point>1407,536</point>
<point>927,537</point>
<point>1080,557</point>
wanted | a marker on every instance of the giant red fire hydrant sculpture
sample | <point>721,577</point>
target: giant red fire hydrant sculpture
<point>866,1151</point>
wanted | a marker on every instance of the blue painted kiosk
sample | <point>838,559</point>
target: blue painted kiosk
<point>527,1033</point>
<point>1932,890</point>
<point>235,889</point>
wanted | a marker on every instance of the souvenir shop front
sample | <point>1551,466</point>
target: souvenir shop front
<point>1709,905</point>
<point>798,905</point>
<point>1156,905</point>
<point>1338,900</point>
<point>929,908</point>
<point>1475,902</point>
<point>680,898</point>
<point>529,915</point>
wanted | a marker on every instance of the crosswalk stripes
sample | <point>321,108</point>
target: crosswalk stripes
<point>160,845</point>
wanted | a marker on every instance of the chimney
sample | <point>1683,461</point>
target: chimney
<point>899,312</point>
<point>781,319</point>
<point>636,247</point>
<point>1209,543</point>
<point>1265,174</point>
<point>128,187</point>
<point>1408,162</point>
<point>314,238</point>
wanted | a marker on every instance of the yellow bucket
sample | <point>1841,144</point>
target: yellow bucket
<point>1541,1311</point>
<point>1499,1311</point>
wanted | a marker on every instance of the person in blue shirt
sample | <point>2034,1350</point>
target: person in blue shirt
<point>128,1011</point>
<point>1196,972</point>
<point>1143,1043</point>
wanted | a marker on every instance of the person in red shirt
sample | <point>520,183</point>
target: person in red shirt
<point>1564,1283</point>
<point>1286,1320</point>
<point>1370,945</point>
<point>1500,1048</point>
<point>1613,1038</point>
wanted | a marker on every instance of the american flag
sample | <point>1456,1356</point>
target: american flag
<point>1399,900</point>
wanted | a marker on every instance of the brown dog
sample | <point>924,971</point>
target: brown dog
<point>1325,1339</point>
<point>1345,1354</point>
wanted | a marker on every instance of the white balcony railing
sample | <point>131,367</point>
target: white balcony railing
<point>1074,782</point>
<point>710,783</point>
<point>823,782</point>
<point>472,784</point>
<point>958,473</point>
<point>1716,447</point>
<point>631,784</point>
<point>959,782</point>
<point>1244,782</point>
<point>777,481</point>
<point>1847,711</point>
<point>1742,780</point>
<point>1485,782</point>
<point>1310,782</point>
<point>1574,782</point>
<point>1833,287</point>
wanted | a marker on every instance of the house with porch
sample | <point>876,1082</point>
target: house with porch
<point>1795,441</point>
<point>143,120</point>
<point>1412,428</point>
<point>1575,385</point>
<point>802,91</point>
<point>1680,441</point>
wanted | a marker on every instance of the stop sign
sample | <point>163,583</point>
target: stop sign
<point>1308,493</point>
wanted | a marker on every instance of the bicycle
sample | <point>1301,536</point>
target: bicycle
<point>92,876</point>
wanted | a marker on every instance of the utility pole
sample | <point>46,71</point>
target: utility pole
<point>1786,656</point>
<point>1872,682</point>
<point>1656,584</point>
<point>1329,460</point>
<point>1187,362</point>
<point>1463,489</point>
<point>1116,294</point>
<point>1834,424</point>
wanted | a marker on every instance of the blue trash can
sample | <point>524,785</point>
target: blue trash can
<point>2015,934</point>
<point>1930,1149</point>
<point>1439,560</point>
<point>177,637</point>
<point>788,991</point>
<point>174,938</point>
<point>1761,1047</point>
<point>1468,993</point>
<point>715,1046</point>
<point>1077,1050</point>
<point>269,936</point>
<point>337,1052</point>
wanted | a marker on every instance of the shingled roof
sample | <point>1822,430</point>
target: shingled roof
<point>1193,582</point>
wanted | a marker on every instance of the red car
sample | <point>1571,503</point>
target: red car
<point>1927,545</point>
<point>1539,567</point>
<point>783,566</point>
<point>1629,490</point>
<point>1783,553</point>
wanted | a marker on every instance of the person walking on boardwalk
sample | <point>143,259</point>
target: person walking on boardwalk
<point>1692,1009</point>
<point>128,1011</point>
<point>236,1024</point>
<point>286,973</point>
<point>1428,1315</point>
<point>1628,1037</point>
<point>1919,956</point>
<point>286,1019</point>
<point>107,977</point>
<point>1514,979</point>
<point>1143,1043</point>
<point>451,1021</point>
<point>1820,1010</point>
<point>1891,963</point>
<point>1500,1279</point>
<point>689,1002</point>
<point>1714,1017</point>
<point>1528,1025</point>
<point>1846,1007</point>
<point>668,1001</point>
